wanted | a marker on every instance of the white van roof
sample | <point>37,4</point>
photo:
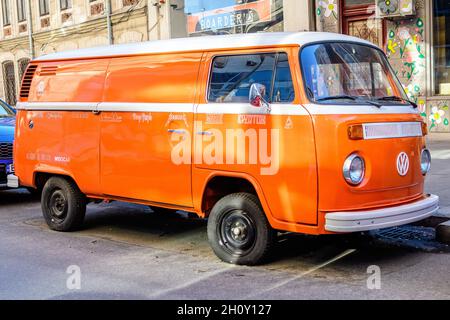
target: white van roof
<point>203,43</point>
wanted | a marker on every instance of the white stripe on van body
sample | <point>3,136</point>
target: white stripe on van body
<point>145,107</point>
<point>219,108</point>
<point>246,108</point>
<point>57,106</point>
<point>214,108</point>
<point>327,109</point>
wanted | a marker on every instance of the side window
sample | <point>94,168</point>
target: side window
<point>283,90</point>
<point>232,76</point>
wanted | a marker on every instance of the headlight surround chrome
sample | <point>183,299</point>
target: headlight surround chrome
<point>425,161</point>
<point>354,169</point>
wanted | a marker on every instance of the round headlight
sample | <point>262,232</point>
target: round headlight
<point>425,161</point>
<point>354,169</point>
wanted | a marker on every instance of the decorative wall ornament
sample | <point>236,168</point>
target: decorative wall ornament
<point>439,115</point>
<point>404,45</point>
<point>327,15</point>
<point>329,7</point>
<point>388,6</point>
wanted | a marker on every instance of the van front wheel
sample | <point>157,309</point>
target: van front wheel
<point>238,230</point>
<point>63,204</point>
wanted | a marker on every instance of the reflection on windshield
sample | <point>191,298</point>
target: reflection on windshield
<point>195,6</point>
<point>350,72</point>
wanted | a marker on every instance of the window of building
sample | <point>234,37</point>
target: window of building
<point>96,7</point>
<point>359,20</point>
<point>44,8</point>
<point>232,77</point>
<point>65,4</point>
<point>9,80</point>
<point>351,3</point>
<point>21,11</point>
<point>23,64</point>
<point>441,46</point>
<point>5,13</point>
<point>127,3</point>
<point>205,17</point>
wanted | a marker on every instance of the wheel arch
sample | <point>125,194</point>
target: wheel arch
<point>220,184</point>
<point>40,178</point>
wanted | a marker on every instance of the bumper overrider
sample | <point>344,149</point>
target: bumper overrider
<point>13,181</point>
<point>353,221</point>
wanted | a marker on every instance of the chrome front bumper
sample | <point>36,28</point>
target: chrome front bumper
<point>353,221</point>
<point>13,181</point>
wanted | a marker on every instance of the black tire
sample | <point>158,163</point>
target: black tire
<point>238,230</point>
<point>63,204</point>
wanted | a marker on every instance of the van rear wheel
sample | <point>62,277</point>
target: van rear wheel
<point>63,204</point>
<point>238,230</point>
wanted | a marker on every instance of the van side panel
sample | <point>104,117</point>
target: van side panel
<point>148,110</point>
<point>69,81</point>
<point>284,166</point>
<point>61,141</point>
<point>159,78</point>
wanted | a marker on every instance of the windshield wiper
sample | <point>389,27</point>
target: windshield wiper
<point>342,96</point>
<point>354,98</point>
<point>395,98</point>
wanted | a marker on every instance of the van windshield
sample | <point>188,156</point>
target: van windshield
<point>349,73</point>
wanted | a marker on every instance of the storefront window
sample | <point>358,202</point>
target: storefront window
<point>441,46</point>
<point>205,17</point>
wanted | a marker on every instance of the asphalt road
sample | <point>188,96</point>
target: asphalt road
<point>129,252</point>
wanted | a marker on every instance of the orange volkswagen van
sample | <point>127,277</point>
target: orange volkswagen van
<point>300,132</point>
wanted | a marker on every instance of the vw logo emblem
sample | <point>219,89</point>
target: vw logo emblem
<point>402,164</point>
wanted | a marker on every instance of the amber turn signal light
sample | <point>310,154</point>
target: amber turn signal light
<point>355,132</point>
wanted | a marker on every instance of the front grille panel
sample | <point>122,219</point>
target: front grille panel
<point>6,150</point>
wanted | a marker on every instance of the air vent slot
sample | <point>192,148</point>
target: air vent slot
<point>26,81</point>
<point>48,70</point>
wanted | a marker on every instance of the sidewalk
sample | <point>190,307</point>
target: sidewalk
<point>438,180</point>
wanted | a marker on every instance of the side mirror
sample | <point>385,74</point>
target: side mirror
<point>256,96</point>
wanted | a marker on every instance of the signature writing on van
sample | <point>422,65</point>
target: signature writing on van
<point>177,117</point>
<point>235,146</point>
<point>251,119</point>
<point>54,115</point>
<point>113,117</point>
<point>47,157</point>
<point>142,117</point>
<point>62,159</point>
<point>214,118</point>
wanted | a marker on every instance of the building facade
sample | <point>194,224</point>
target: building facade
<point>414,33</point>
<point>58,25</point>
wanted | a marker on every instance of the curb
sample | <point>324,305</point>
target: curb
<point>443,232</point>
<point>443,212</point>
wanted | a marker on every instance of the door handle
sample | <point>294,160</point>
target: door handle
<point>179,131</point>
<point>205,133</point>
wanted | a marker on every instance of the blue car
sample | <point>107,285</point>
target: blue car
<point>7,124</point>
